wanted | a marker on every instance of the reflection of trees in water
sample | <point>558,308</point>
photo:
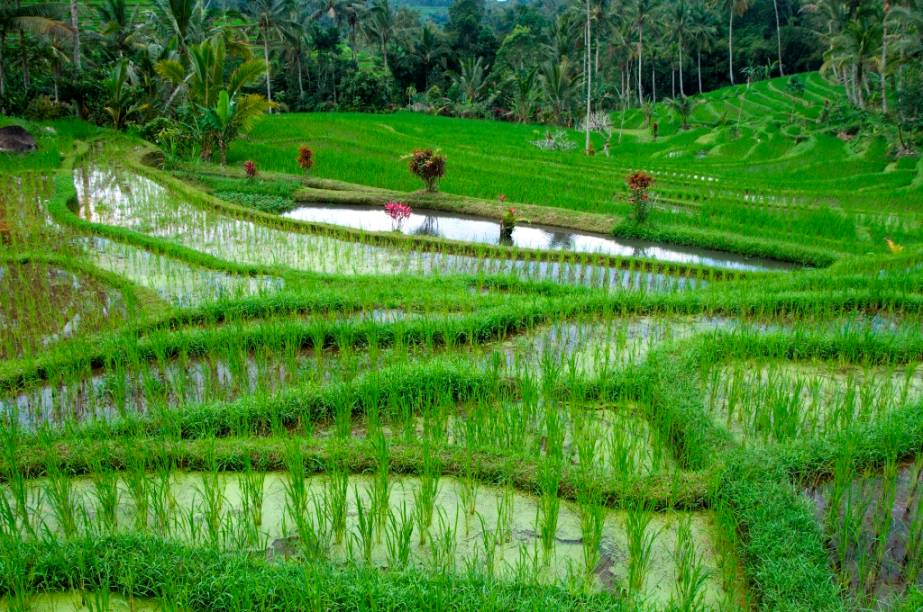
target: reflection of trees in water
<point>429,227</point>
<point>561,240</point>
<point>642,252</point>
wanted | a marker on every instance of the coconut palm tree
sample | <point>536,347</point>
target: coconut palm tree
<point>379,27</point>
<point>733,8</point>
<point>347,12</point>
<point>430,50</point>
<point>683,107</point>
<point>559,90</point>
<point>205,76</point>
<point>775,8</point>
<point>679,24</point>
<point>641,11</point>
<point>272,17</point>
<point>185,22</point>
<point>36,19</point>
<point>471,79</point>
<point>117,25</point>
<point>75,26</point>
<point>704,32</point>
<point>524,93</point>
<point>231,116</point>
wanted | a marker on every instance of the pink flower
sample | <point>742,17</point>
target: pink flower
<point>398,211</point>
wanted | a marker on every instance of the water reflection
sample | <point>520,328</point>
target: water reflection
<point>487,231</point>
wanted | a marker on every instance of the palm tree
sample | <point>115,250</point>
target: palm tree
<point>852,51</point>
<point>683,107</point>
<point>340,11</point>
<point>430,50</point>
<point>184,20</point>
<point>230,116</point>
<point>704,32</point>
<point>679,20</point>
<point>75,26</point>
<point>37,19</point>
<point>587,72</point>
<point>271,17</point>
<point>117,25</point>
<point>379,26</point>
<point>471,79</point>
<point>738,8</point>
<point>205,77</point>
<point>775,8</point>
<point>558,89</point>
<point>522,100</point>
<point>642,9</point>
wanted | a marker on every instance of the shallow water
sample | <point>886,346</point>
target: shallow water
<point>42,304</point>
<point>470,228</point>
<point>854,529</point>
<point>121,198</point>
<point>258,513</point>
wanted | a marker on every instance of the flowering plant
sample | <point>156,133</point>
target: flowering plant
<point>250,168</point>
<point>429,166</point>
<point>399,212</point>
<point>638,185</point>
<point>305,158</point>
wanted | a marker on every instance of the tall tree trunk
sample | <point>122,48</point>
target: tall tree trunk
<point>2,66</point>
<point>884,60</point>
<point>300,80</point>
<point>640,55</point>
<point>75,24</point>
<point>682,90</point>
<point>589,77</point>
<point>775,6</point>
<point>596,60</point>
<point>731,46</point>
<point>26,81</point>
<point>384,53</point>
<point>699,63</point>
<point>653,83</point>
<point>672,80</point>
<point>857,71</point>
<point>265,33</point>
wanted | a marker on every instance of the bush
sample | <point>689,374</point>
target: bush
<point>250,168</point>
<point>366,91</point>
<point>305,158</point>
<point>429,166</point>
<point>638,185</point>
<point>43,108</point>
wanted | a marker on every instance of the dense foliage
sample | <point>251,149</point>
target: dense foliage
<point>160,64</point>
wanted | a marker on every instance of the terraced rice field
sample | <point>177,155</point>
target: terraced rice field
<point>206,405</point>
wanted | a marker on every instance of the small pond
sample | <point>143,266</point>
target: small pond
<point>453,226</point>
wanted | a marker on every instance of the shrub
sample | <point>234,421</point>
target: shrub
<point>250,168</point>
<point>429,166</point>
<point>638,185</point>
<point>305,158</point>
<point>43,108</point>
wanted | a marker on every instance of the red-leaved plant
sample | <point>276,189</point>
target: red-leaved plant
<point>429,166</point>
<point>399,212</point>
<point>638,185</point>
<point>305,158</point>
<point>250,168</point>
